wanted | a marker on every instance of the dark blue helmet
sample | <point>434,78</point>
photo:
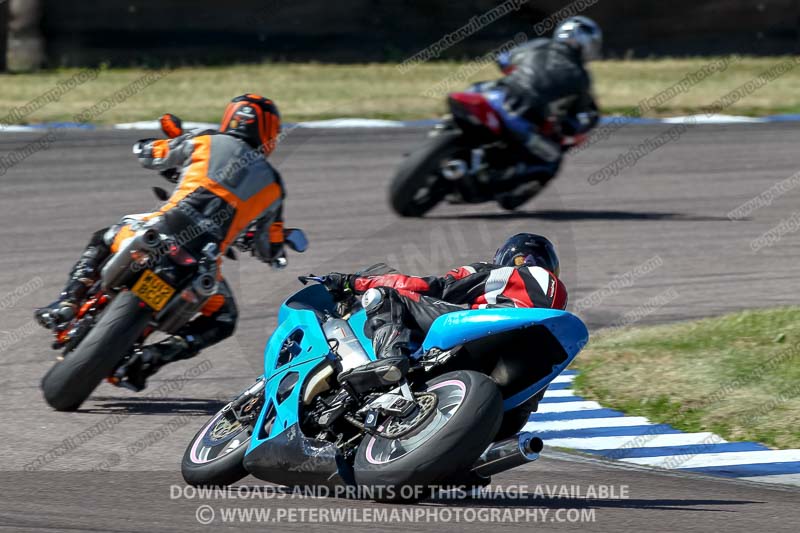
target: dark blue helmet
<point>528,249</point>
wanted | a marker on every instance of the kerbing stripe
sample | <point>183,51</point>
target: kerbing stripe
<point>720,459</point>
<point>691,449</point>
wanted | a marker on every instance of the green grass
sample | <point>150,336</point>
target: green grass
<point>736,375</point>
<point>314,91</point>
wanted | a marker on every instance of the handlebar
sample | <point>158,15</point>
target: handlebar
<point>311,277</point>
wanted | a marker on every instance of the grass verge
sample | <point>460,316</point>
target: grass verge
<point>736,375</point>
<point>314,91</point>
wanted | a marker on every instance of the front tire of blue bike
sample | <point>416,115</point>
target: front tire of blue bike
<point>215,456</point>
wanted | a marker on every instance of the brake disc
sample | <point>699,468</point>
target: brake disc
<point>396,427</point>
<point>224,427</point>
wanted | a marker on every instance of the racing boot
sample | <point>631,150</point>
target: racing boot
<point>56,315</point>
<point>81,278</point>
<point>386,317</point>
<point>522,193</point>
<point>525,182</point>
<point>149,359</point>
<point>390,338</point>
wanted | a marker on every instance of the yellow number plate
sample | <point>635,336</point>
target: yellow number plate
<point>153,290</point>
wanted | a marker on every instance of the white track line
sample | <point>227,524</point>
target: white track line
<point>588,423</point>
<point>560,393</point>
<point>564,379</point>
<point>567,407</point>
<point>718,459</point>
<point>787,479</point>
<point>156,125</point>
<point>633,441</point>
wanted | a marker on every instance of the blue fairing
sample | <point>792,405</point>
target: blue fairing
<point>299,313</point>
<point>317,297</point>
<point>311,297</point>
<point>458,328</point>
<point>299,345</point>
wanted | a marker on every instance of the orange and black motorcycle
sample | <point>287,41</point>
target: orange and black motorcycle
<point>154,282</point>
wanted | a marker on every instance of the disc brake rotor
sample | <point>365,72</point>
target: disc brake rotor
<point>224,428</point>
<point>397,427</point>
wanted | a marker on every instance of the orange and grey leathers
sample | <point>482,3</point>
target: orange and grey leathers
<point>225,187</point>
<point>227,193</point>
<point>228,188</point>
<point>224,184</point>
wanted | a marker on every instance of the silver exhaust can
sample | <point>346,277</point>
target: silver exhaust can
<point>507,454</point>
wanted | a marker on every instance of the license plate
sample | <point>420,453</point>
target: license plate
<point>153,290</point>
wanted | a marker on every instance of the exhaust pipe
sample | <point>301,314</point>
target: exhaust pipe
<point>508,454</point>
<point>149,239</point>
<point>205,285</point>
<point>188,303</point>
<point>116,271</point>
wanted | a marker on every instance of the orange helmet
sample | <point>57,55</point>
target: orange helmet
<point>254,119</point>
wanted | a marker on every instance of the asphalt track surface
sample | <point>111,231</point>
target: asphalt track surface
<point>672,204</point>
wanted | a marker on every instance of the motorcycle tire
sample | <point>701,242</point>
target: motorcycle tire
<point>418,172</point>
<point>444,446</point>
<point>227,465</point>
<point>69,382</point>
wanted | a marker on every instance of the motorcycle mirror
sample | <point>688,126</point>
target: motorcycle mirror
<point>296,239</point>
<point>161,194</point>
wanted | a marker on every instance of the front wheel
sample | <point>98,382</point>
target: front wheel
<point>419,184</point>
<point>69,382</point>
<point>465,412</point>
<point>215,457</point>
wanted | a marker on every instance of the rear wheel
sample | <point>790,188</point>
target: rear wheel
<point>465,412</point>
<point>419,184</point>
<point>69,382</point>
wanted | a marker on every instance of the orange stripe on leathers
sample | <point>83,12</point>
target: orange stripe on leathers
<point>248,211</point>
<point>276,232</point>
<point>197,176</point>
<point>160,148</point>
<point>125,232</point>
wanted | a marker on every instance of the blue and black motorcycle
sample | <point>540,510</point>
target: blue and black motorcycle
<point>326,412</point>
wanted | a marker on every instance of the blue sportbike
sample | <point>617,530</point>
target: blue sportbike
<point>326,412</point>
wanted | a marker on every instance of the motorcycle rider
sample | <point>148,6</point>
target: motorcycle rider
<point>548,98</point>
<point>401,308</point>
<point>226,186</point>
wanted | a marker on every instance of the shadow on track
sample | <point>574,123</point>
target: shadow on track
<point>595,503</point>
<point>574,215</point>
<point>153,406</point>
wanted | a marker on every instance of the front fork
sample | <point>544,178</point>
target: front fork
<point>245,408</point>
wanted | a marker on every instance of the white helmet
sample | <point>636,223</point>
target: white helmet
<point>582,33</point>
